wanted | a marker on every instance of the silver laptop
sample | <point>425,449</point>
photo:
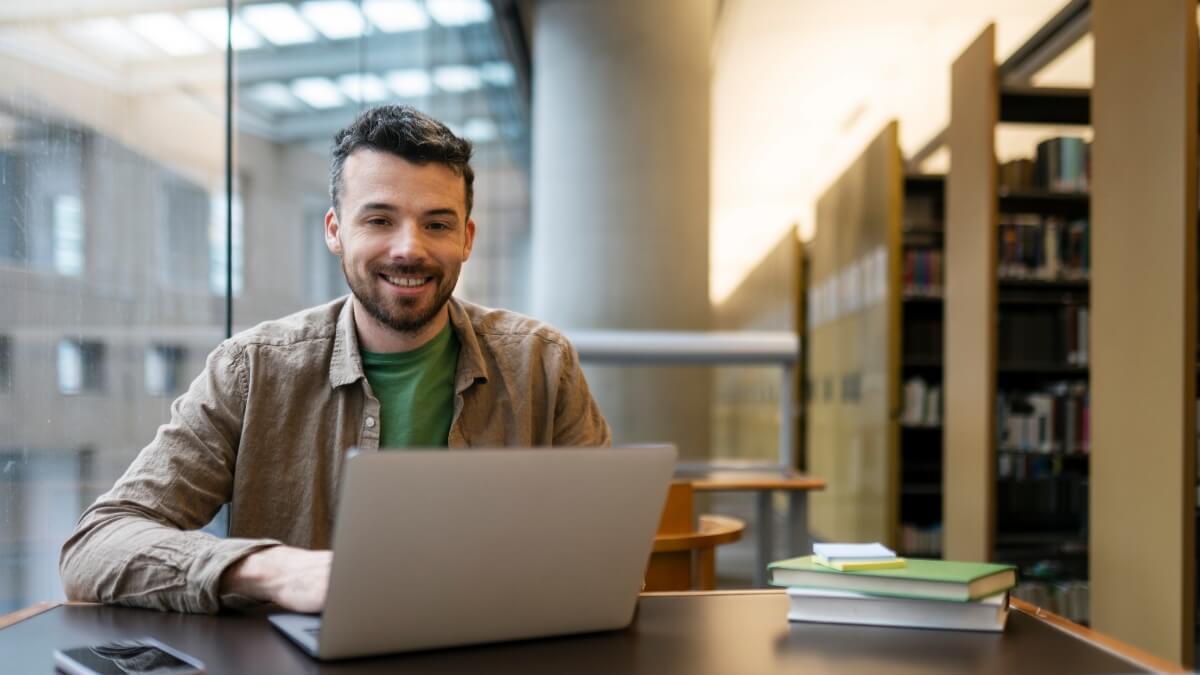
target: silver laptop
<point>436,549</point>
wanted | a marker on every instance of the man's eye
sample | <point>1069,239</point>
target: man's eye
<point>377,221</point>
<point>438,226</point>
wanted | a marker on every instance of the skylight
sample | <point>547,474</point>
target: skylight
<point>363,88</point>
<point>410,83</point>
<point>459,12</point>
<point>210,23</point>
<point>318,92</point>
<point>457,78</point>
<point>278,23</point>
<point>396,16</point>
<point>274,95</point>
<point>111,36</point>
<point>168,33</point>
<point>336,19</point>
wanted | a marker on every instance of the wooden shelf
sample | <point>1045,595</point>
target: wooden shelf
<point>1046,202</point>
<point>1045,105</point>
<point>1055,369</point>
<point>922,299</point>
<point>1055,285</point>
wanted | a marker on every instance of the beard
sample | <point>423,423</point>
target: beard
<point>404,315</point>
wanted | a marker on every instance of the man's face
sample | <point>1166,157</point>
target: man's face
<point>402,232</point>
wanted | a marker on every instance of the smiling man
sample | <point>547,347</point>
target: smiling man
<point>399,363</point>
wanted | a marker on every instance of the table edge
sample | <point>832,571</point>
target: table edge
<point>1110,644</point>
<point>29,612</point>
<point>752,485</point>
<point>1128,652</point>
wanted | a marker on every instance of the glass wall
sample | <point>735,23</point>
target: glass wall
<point>114,235</point>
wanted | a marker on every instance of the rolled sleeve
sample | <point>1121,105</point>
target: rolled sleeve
<point>139,544</point>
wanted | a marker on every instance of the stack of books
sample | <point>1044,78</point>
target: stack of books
<point>912,593</point>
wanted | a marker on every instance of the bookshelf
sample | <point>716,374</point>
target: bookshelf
<point>1119,513</point>
<point>1017,460</point>
<point>1144,307</point>
<point>853,314</point>
<point>920,417</point>
<point>1109,515</point>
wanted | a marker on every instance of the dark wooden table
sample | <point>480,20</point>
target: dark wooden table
<point>722,632</point>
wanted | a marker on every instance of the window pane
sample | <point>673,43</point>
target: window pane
<point>110,149</point>
<point>447,59</point>
<point>68,235</point>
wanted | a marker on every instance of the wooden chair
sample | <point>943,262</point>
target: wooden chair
<point>684,556</point>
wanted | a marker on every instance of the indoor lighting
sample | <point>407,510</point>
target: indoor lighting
<point>111,36</point>
<point>211,23</point>
<point>396,16</point>
<point>318,92</point>
<point>168,33</point>
<point>363,88</point>
<point>498,73</point>
<point>409,83</point>
<point>457,78</point>
<point>480,130</point>
<point>336,19</point>
<point>274,95</point>
<point>459,12</point>
<point>278,23</point>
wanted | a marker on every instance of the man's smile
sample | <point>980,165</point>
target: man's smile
<point>406,280</point>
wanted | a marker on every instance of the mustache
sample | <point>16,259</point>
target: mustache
<point>414,270</point>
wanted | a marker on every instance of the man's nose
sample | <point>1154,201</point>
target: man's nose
<point>407,244</point>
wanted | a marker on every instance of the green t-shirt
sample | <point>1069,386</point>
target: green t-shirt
<point>415,391</point>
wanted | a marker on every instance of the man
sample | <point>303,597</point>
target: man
<point>398,363</point>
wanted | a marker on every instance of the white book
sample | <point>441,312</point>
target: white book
<point>840,551</point>
<point>824,606</point>
<point>914,402</point>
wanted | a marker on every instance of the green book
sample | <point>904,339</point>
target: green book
<point>927,579</point>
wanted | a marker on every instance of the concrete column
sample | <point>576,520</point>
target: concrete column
<point>621,99</point>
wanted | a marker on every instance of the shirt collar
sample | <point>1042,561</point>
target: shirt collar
<point>345,365</point>
<point>471,366</point>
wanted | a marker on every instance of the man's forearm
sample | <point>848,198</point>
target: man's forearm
<point>119,554</point>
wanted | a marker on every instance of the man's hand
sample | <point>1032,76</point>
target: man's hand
<point>293,578</point>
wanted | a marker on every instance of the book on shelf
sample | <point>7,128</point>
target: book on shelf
<point>923,272</point>
<point>922,403</point>
<point>1061,164</point>
<point>923,579</point>
<point>1056,420</point>
<point>1044,248</point>
<point>925,540</point>
<point>1017,175</point>
<point>827,606</point>
<point>1043,335</point>
<point>1069,599</point>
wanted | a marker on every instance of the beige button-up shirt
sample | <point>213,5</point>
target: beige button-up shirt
<point>265,428</point>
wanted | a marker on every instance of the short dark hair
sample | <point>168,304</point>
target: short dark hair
<point>405,132</point>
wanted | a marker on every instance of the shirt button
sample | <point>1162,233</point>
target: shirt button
<point>370,422</point>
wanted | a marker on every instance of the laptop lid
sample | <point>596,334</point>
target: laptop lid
<point>434,549</point>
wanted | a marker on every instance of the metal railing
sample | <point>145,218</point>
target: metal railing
<point>664,348</point>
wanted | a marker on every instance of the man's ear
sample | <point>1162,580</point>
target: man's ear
<point>470,240</point>
<point>332,227</point>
